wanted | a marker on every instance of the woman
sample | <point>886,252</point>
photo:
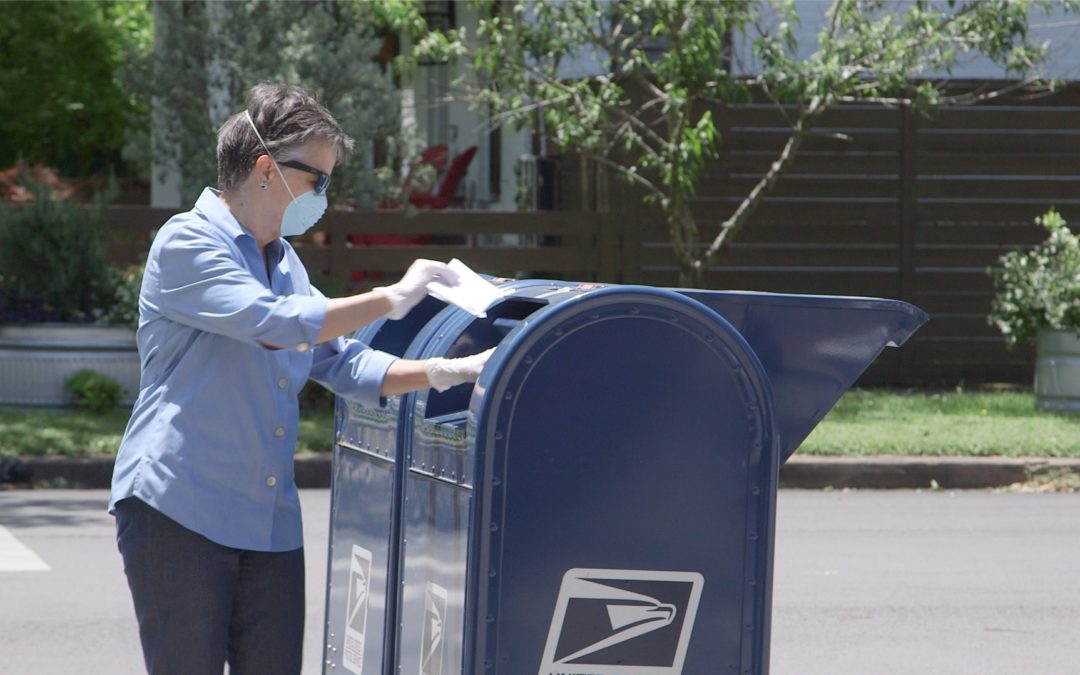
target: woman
<point>230,329</point>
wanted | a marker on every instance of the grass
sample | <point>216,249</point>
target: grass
<point>864,422</point>
<point>944,424</point>
<point>81,435</point>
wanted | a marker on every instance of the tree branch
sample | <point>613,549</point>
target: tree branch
<point>636,177</point>
<point>730,227</point>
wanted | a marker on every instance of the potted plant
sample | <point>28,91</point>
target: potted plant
<point>1038,298</point>
<point>63,308</point>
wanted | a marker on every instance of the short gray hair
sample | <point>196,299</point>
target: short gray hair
<point>287,117</point>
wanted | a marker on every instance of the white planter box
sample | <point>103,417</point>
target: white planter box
<point>1057,370</point>
<point>36,360</point>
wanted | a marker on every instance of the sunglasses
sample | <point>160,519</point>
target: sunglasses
<point>324,178</point>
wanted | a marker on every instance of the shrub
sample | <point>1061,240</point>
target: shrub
<point>53,264</point>
<point>1039,288</point>
<point>314,396</point>
<point>94,392</point>
<point>123,309</point>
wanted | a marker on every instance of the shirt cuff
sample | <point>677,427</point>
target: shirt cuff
<point>371,379</point>
<point>311,315</point>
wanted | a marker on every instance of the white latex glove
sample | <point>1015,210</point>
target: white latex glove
<point>445,373</point>
<point>407,293</point>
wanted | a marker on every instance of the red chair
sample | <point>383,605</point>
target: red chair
<point>445,196</point>
<point>435,156</point>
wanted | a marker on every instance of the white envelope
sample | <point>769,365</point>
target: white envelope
<point>472,292</point>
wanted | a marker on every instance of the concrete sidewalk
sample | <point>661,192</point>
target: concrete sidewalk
<point>801,471</point>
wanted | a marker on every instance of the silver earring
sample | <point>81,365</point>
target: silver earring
<point>263,185</point>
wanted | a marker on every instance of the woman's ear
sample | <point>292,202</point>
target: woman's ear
<point>264,167</point>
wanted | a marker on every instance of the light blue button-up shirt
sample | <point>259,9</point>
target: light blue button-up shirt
<point>211,438</point>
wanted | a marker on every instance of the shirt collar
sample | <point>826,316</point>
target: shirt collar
<point>210,205</point>
<point>218,214</point>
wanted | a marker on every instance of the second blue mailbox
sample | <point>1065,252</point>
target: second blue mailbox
<point>602,501</point>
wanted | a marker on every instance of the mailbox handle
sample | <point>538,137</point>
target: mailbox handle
<point>504,326</point>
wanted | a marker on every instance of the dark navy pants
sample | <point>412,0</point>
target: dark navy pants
<point>200,604</point>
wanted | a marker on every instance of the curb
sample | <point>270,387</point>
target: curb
<point>806,472</point>
<point>907,472</point>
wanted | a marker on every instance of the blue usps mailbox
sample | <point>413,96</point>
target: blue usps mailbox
<point>602,501</point>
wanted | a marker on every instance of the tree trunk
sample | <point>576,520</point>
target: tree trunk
<point>683,231</point>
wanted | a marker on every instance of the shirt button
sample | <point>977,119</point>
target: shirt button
<point>271,481</point>
<point>282,383</point>
<point>279,432</point>
<point>303,347</point>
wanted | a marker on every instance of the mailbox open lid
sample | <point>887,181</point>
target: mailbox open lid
<point>813,347</point>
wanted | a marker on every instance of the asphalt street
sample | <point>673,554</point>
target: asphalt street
<point>866,583</point>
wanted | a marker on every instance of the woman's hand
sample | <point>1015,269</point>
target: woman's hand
<point>407,293</point>
<point>446,373</point>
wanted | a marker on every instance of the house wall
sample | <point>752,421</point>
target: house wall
<point>1057,26</point>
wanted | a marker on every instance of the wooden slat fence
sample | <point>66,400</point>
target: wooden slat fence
<point>886,203</point>
<point>351,251</point>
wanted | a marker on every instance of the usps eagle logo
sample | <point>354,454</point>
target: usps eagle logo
<point>622,622</point>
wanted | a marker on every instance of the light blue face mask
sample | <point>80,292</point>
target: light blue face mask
<point>303,211</point>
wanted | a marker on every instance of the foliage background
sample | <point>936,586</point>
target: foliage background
<point>637,85</point>
<point>210,54</point>
<point>62,99</point>
<point>1039,288</point>
<point>79,81</point>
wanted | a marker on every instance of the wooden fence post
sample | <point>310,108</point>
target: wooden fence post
<point>908,222</point>
<point>339,267</point>
<point>608,249</point>
<point>630,226</point>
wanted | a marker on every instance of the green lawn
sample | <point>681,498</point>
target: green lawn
<point>968,423</point>
<point>863,423</point>
<point>72,433</point>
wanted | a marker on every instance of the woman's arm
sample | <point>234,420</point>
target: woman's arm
<point>346,315</point>
<point>404,376</point>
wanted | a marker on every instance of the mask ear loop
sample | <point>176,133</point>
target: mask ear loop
<point>272,160</point>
